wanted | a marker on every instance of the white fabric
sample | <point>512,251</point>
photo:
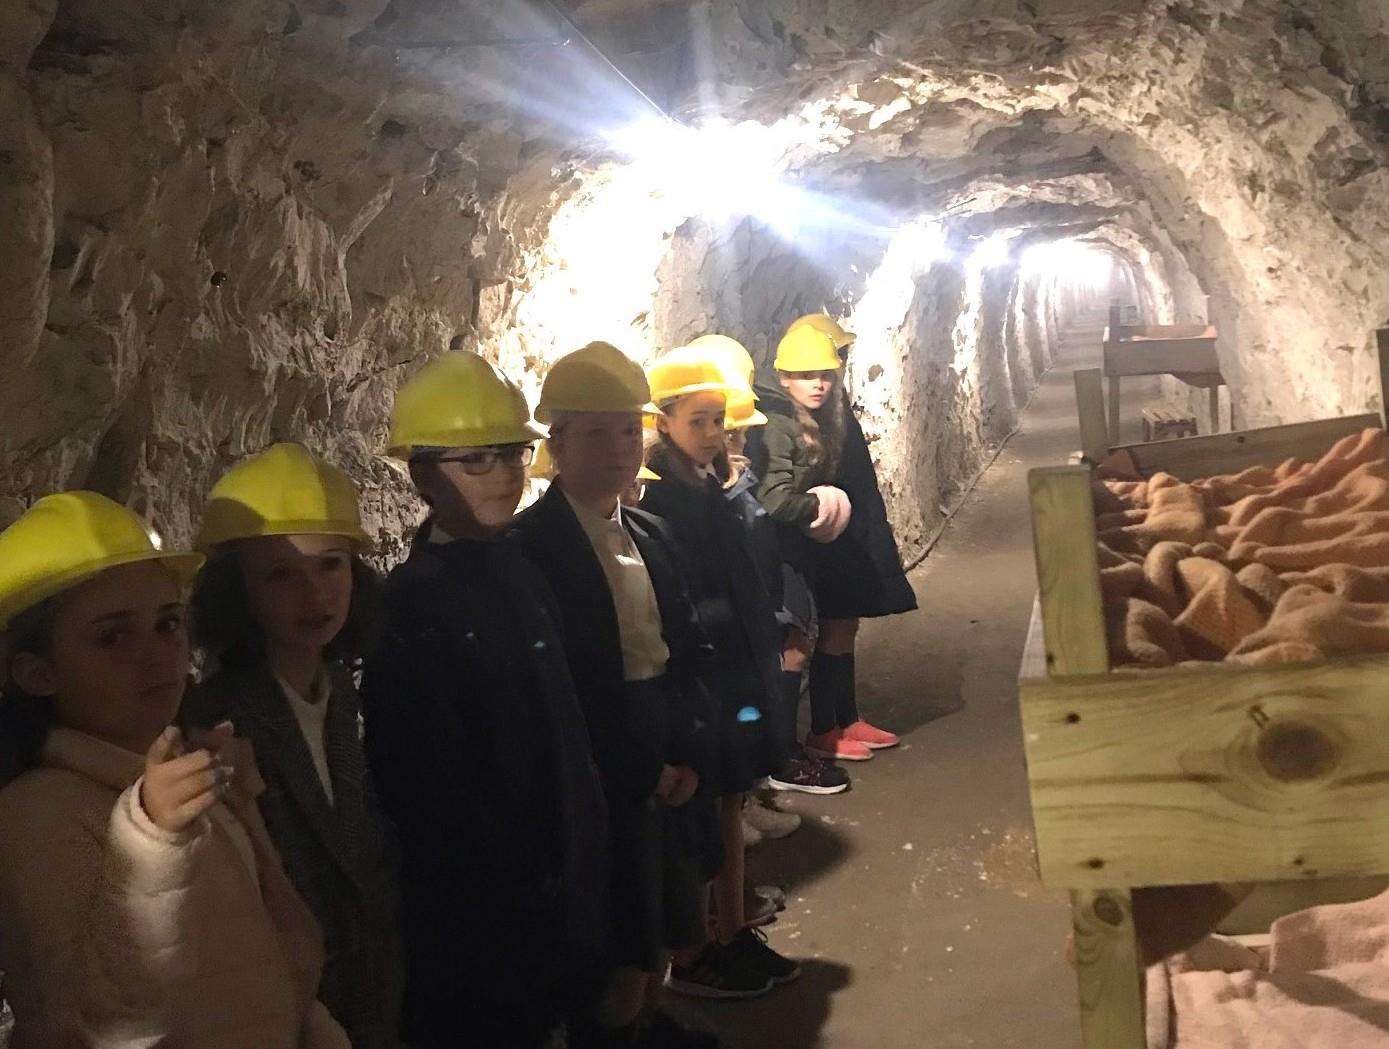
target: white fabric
<point>312,715</point>
<point>644,651</point>
<point>833,516</point>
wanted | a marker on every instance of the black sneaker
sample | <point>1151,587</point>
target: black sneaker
<point>751,947</point>
<point>810,776</point>
<point>718,971</point>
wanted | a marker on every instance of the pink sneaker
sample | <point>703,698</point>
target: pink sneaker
<point>834,746</point>
<point>870,737</point>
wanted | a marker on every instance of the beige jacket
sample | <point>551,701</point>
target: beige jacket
<point>115,934</point>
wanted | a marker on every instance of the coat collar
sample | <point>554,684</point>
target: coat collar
<point>108,764</point>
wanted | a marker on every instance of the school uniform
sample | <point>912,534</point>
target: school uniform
<point>323,817</point>
<point>794,603</point>
<point>634,645</point>
<point>860,574</point>
<point>737,615</point>
<point>481,758</point>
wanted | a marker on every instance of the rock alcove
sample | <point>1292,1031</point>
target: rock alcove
<point>225,224</point>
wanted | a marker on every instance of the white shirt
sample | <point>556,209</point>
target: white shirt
<point>312,716</point>
<point>644,651</point>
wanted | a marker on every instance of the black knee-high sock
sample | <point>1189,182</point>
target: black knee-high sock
<point>790,711</point>
<point>826,674</point>
<point>845,698</point>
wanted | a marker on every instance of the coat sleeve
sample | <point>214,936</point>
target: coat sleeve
<point>777,490</point>
<point>104,916</point>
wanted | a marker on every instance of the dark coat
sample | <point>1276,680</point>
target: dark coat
<point>335,853</point>
<point>786,474</point>
<point>628,745</point>
<point>737,615</point>
<point>860,574</point>
<point>482,759</point>
<point>795,607</point>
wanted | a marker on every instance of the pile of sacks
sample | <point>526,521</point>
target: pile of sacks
<point>1278,565</point>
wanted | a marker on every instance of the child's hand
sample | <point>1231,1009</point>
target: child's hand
<point>685,787</point>
<point>179,787</point>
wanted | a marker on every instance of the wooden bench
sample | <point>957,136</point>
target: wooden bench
<point>1188,776</point>
<point>1161,424</point>
<point>1184,351</point>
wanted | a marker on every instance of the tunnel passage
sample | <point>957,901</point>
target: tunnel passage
<point>226,224</point>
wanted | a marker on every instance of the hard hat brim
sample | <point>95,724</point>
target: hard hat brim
<point>184,566</point>
<point>257,528</point>
<point>667,396</point>
<point>522,433</point>
<point>755,419</point>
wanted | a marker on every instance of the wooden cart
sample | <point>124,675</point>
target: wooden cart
<point>1185,351</point>
<point>1180,776</point>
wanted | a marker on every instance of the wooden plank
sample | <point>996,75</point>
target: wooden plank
<point>1108,974</point>
<point>1094,434</point>
<point>1034,650</point>
<point>1068,571</point>
<point>1215,409</point>
<point>1138,332</point>
<point>1116,321</point>
<point>1113,411</point>
<point>1192,457</point>
<point>1160,357</point>
<point>1272,900</point>
<point>1177,777</point>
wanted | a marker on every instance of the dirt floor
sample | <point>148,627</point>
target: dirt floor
<point>914,905</point>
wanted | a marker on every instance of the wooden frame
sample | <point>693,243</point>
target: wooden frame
<point>1181,776</point>
<point>1186,351</point>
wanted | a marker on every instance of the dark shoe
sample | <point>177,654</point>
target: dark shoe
<point>663,1031</point>
<point>718,972</point>
<point>750,946</point>
<point>810,776</point>
<point>758,910</point>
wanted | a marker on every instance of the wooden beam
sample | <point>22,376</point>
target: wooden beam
<point>1094,434</point>
<point>1108,973</point>
<point>1215,408</point>
<point>1160,356</point>
<point>1114,436</point>
<point>1179,777</point>
<point>1116,321</point>
<point>1191,457</point>
<point>1068,570</point>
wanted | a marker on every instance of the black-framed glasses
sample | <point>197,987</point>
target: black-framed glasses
<point>484,460</point>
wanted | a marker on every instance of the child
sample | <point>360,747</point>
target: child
<point>476,740</point>
<point>141,899</point>
<point>738,616</point>
<point>789,590</point>
<point>796,457</point>
<point>859,574</point>
<point>634,646</point>
<point>282,608</point>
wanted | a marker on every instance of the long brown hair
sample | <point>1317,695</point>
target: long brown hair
<point>822,430</point>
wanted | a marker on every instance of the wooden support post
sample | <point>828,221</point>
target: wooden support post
<point>1382,345</point>
<point>1114,436</point>
<point>1108,970</point>
<point>1108,973</point>
<point>1215,409</point>
<point>1094,437</point>
<point>1116,320</point>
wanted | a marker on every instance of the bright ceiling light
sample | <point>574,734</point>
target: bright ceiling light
<point>1070,261</point>
<point>992,253</point>
<point>719,169</point>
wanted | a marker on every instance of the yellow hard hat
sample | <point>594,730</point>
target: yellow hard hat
<point>684,371</point>
<point>647,474</point>
<point>742,411</point>
<point>730,355</point>
<point>823,322</point>
<point>806,349</point>
<point>66,539</point>
<point>460,400</point>
<point>597,378</point>
<point>282,491</point>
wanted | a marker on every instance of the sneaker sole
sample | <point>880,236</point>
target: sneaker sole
<point>837,757</point>
<point>879,746</point>
<point>777,784</point>
<point>699,990</point>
